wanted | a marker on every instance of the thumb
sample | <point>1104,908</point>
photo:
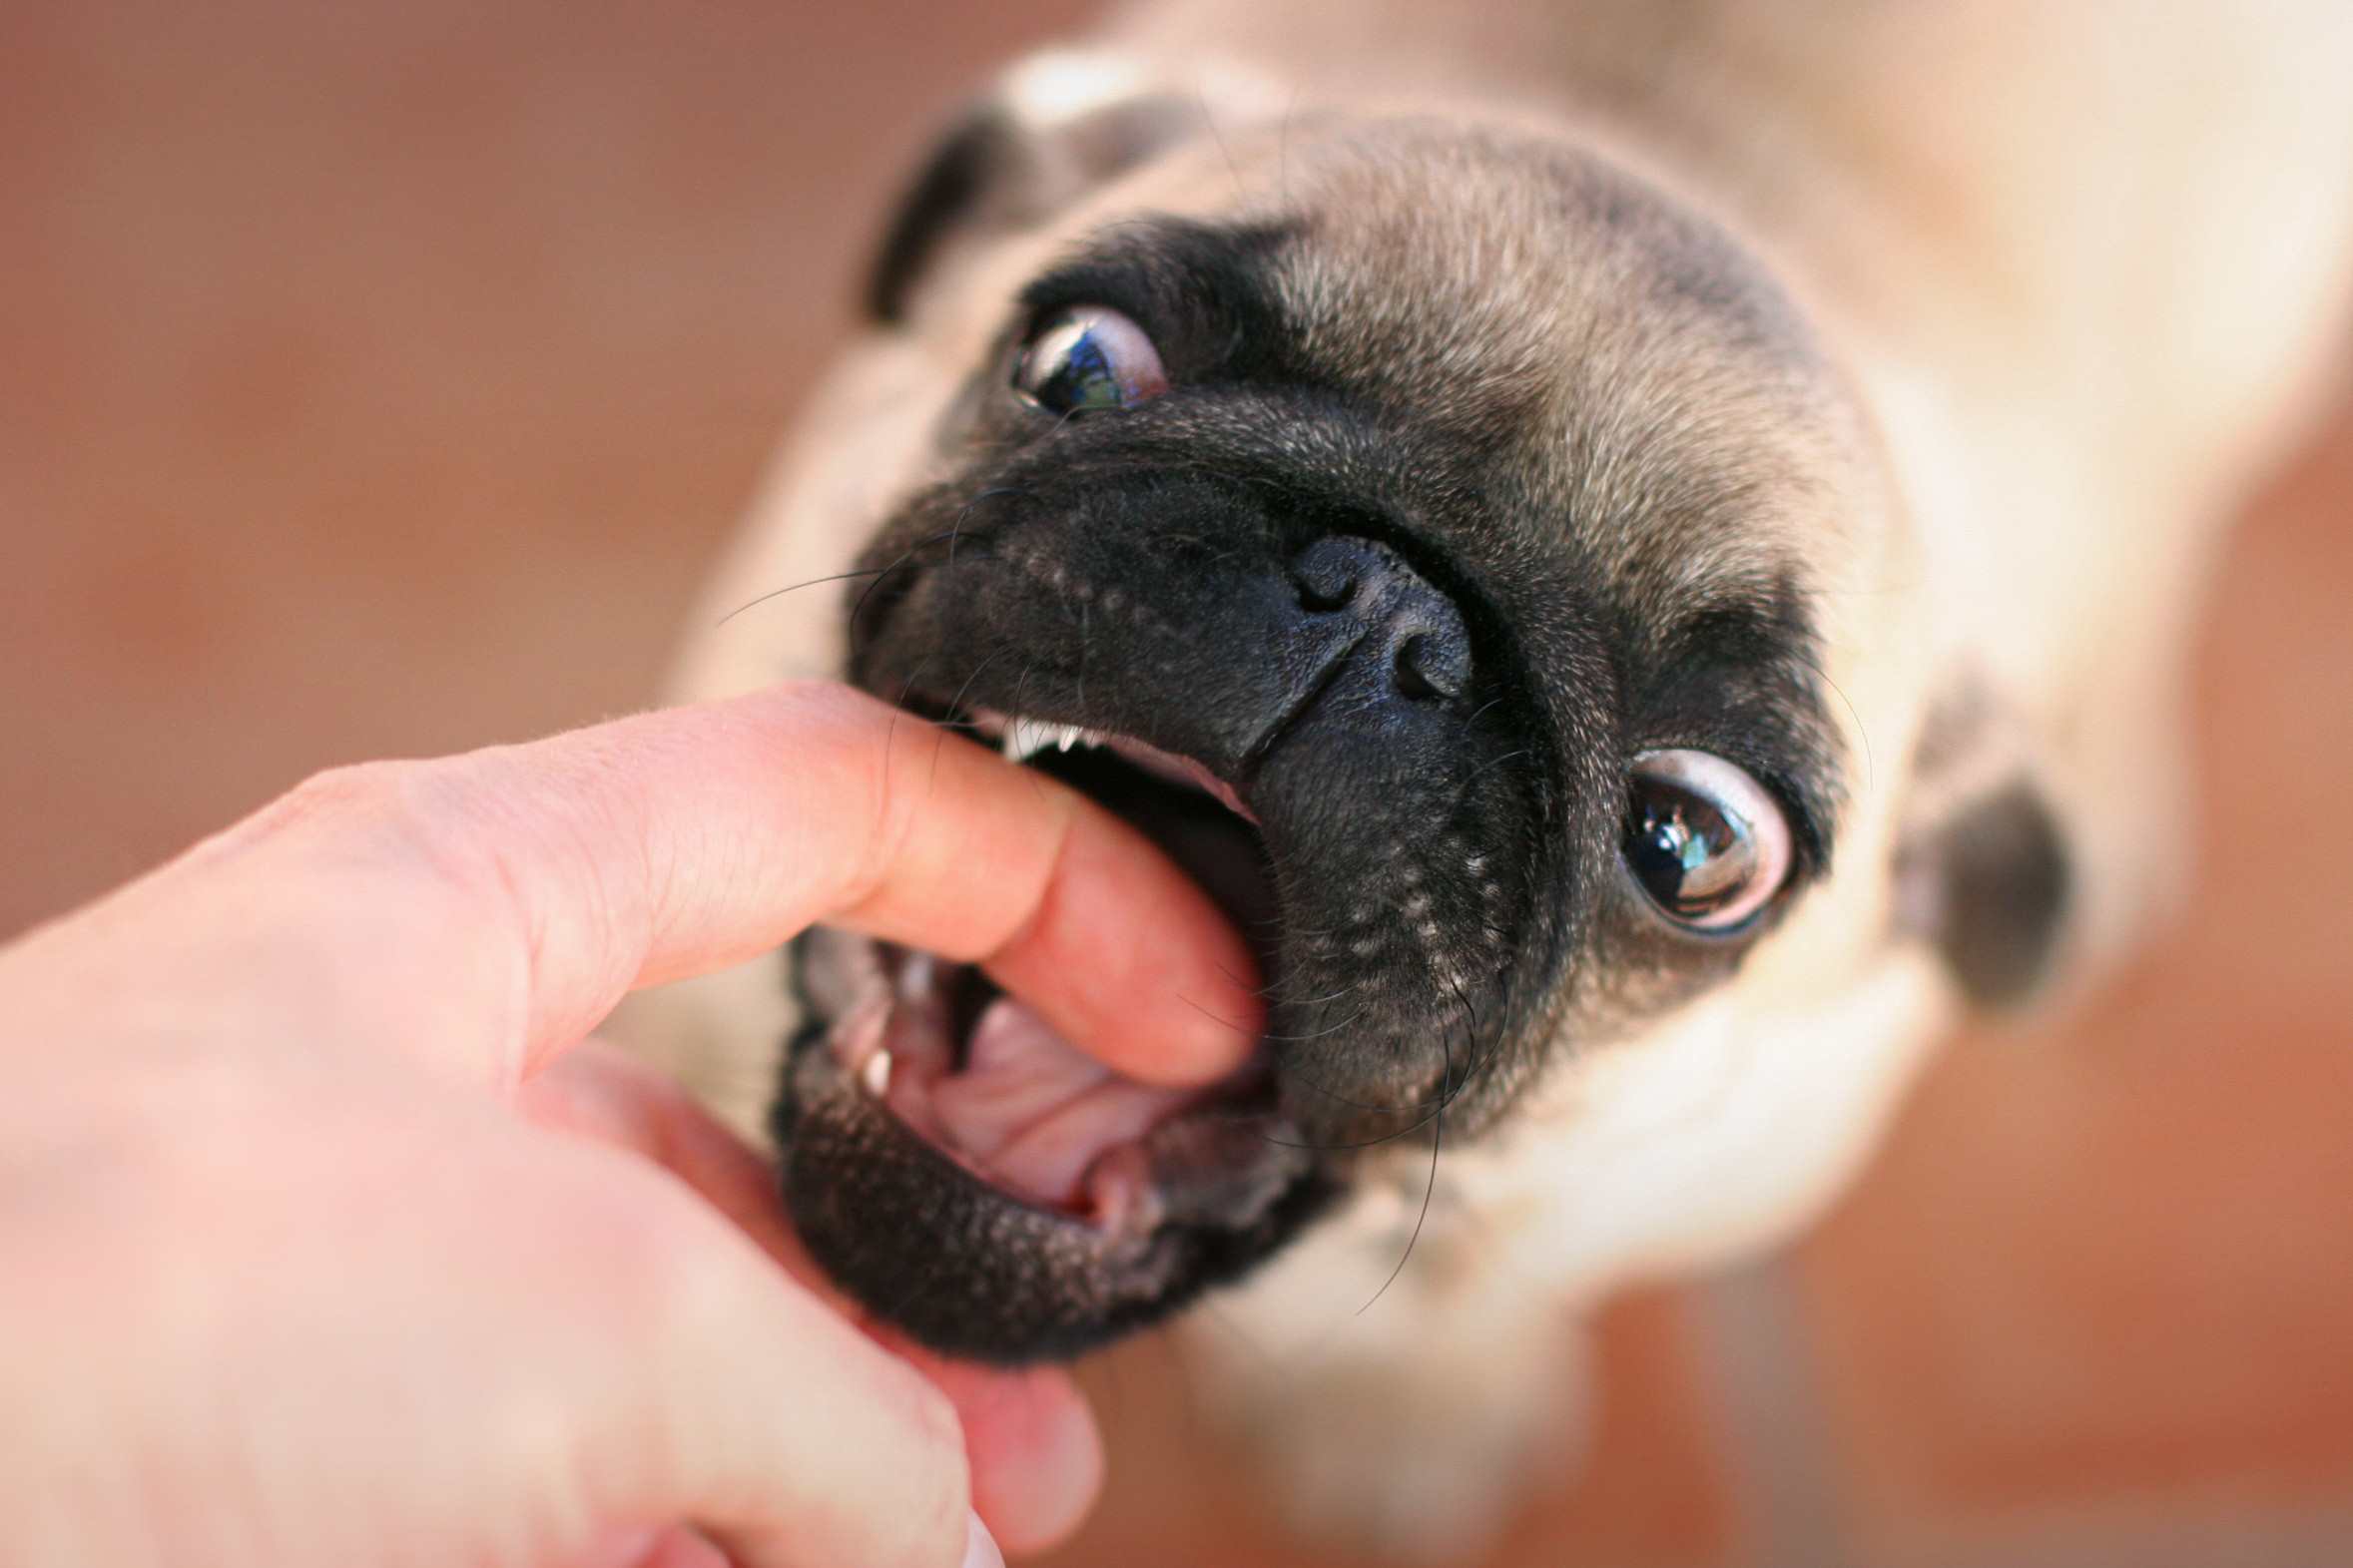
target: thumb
<point>750,1409</point>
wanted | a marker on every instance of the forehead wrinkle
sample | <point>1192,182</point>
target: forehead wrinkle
<point>1644,383</point>
<point>1420,279</point>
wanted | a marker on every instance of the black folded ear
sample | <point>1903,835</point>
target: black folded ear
<point>1982,867</point>
<point>1058,126</point>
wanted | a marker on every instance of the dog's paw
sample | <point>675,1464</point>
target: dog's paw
<point>1404,1421</point>
<point>1421,1465</point>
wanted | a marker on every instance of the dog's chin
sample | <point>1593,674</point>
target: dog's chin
<point>1062,1204</point>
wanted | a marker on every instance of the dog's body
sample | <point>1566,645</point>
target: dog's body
<point>1849,389</point>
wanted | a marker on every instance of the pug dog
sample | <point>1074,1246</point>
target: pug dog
<point>1640,550</point>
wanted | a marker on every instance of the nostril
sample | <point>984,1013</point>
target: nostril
<point>1419,650</point>
<point>1321,600</point>
<point>1327,574</point>
<point>1406,672</point>
<point>1425,670</point>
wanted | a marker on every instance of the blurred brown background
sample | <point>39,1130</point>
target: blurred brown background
<point>377,377</point>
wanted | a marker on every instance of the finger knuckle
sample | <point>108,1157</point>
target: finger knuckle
<point>410,809</point>
<point>356,791</point>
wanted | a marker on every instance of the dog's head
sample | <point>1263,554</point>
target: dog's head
<point>1433,536</point>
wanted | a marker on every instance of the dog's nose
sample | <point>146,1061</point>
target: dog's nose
<point>1412,632</point>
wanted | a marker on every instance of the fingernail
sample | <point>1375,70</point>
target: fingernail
<point>981,1547</point>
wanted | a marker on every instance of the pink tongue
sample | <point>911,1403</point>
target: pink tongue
<point>1034,1111</point>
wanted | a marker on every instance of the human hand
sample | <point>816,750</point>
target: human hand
<point>307,1257</point>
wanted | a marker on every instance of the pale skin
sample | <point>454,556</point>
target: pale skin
<point>326,1238</point>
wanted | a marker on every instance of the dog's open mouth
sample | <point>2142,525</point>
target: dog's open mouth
<point>1297,724</point>
<point>982,1078</point>
<point>972,1111</point>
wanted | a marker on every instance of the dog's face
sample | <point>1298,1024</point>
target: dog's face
<point>1423,534</point>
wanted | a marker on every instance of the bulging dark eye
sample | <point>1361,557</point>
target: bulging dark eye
<point>1090,360</point>
<point>1703,838</point>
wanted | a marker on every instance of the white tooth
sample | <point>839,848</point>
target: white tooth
<point>876,1074</point>
<point>1026,737</point>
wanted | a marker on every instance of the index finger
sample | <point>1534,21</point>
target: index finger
<point>681,842</point>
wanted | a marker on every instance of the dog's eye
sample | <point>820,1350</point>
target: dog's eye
<point>1090,360</point>
<point>1703,838</point>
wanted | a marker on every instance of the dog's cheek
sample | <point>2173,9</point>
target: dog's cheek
<point>1990,886</point>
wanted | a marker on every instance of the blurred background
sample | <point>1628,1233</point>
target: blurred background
<point>378,376</point>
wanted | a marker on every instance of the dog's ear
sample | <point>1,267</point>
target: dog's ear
<point>1058,124</point>
<point>1981,867</point>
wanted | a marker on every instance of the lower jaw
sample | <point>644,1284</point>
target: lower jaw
<point>971,1269</point>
